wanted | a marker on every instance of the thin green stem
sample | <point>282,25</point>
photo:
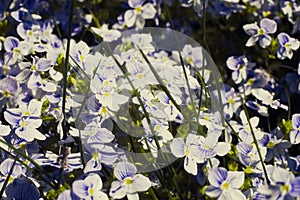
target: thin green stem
<point>65,74</point>
<point>256,143</point>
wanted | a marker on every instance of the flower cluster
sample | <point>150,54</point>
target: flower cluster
<point>95,104</point>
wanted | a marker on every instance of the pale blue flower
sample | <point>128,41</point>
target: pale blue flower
<point>16,49</point>
<point>89,188</point>
<point>295,133</point>
<point>286,46</point>
<point>129,183</point>
<point>25,121</point>
<point>260,33</point>
<point>139,13</point>
<point>240,67</point>
<point>181,148</point>
<point>225,184</point>
<point>5,168</point>
<point>108,35</point>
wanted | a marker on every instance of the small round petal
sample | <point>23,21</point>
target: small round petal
<point>178,147</point>
<point>148,11</point>
<point>135,3</point>
<point>265,40</point>
<point>10,43</point>
<point>80,188</point>
<point>295,137</point>
<point>252,40</point>
<point>217,175</point>
<point>213,191</point>
<point>270,26</point>
<point>295,191</point>
<point>283,38</point>
<point>141,183</point>
<point>130,18</point>
<point>4,130</point>
<point>236,179</point>
<point>190,165</point>
<point>124,169</point>
<point>251,29</point>
<point>232,194</point>
<point>296,121</point>
<point>117,190</point>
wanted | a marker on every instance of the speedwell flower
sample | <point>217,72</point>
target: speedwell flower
<point>260,33</point>
<point>129,183</point>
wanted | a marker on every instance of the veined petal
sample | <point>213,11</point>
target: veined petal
<point>129,18</point>
<point>80,188</point>
<point>295,137</point>
<point>190,165</point>
<point>10,43</point>
<point>141,183</point>
<point>236,179</point>
<point>213,191</point>
<point>12,117</point>
<point>265,41</point>
<point>148,11</point>
<point>222,148</point>
<point>117,190</point>
<point>296,121</point>
<point>268,25</point>
<point>43,64</point>
<point>124,169</point>
<point>217,175</point>
<point>251,29</point>
<point>135,3</point>
<point>178,147</point>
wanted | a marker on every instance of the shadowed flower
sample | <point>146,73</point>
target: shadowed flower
<point>286,46</point>
<point>260,33</point>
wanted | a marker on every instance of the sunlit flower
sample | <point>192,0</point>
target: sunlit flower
<point>225,184</point>
<point>260,33</point>
<point>129,183</point>
<point>89,188</point>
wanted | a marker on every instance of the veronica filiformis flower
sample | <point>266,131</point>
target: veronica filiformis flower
<point>129,183</point>
<point>139,13</point>
<point>89,188</point>
<point>260,33</point>
<point>225,184</point>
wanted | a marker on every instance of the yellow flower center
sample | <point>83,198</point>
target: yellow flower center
<point>106,94</point>
<point>287,45</point>
<point>22,124</point>
<point>95,155</point>
<point>231,101</point>
<point>26,113</point>
<point>106,82</point>
<point>91,191</point>
<point>81,58</point>
<point>16,50</point>
<point>6,93</point>
<point>225,185</point>
<point>270,145</point>
<point>128,181</point>
<point>33,67</point>
<point>139,76</point>
<point>285,188</point>
<point>187,152</point>
<point>261,32</point>
<point>138,9</point>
